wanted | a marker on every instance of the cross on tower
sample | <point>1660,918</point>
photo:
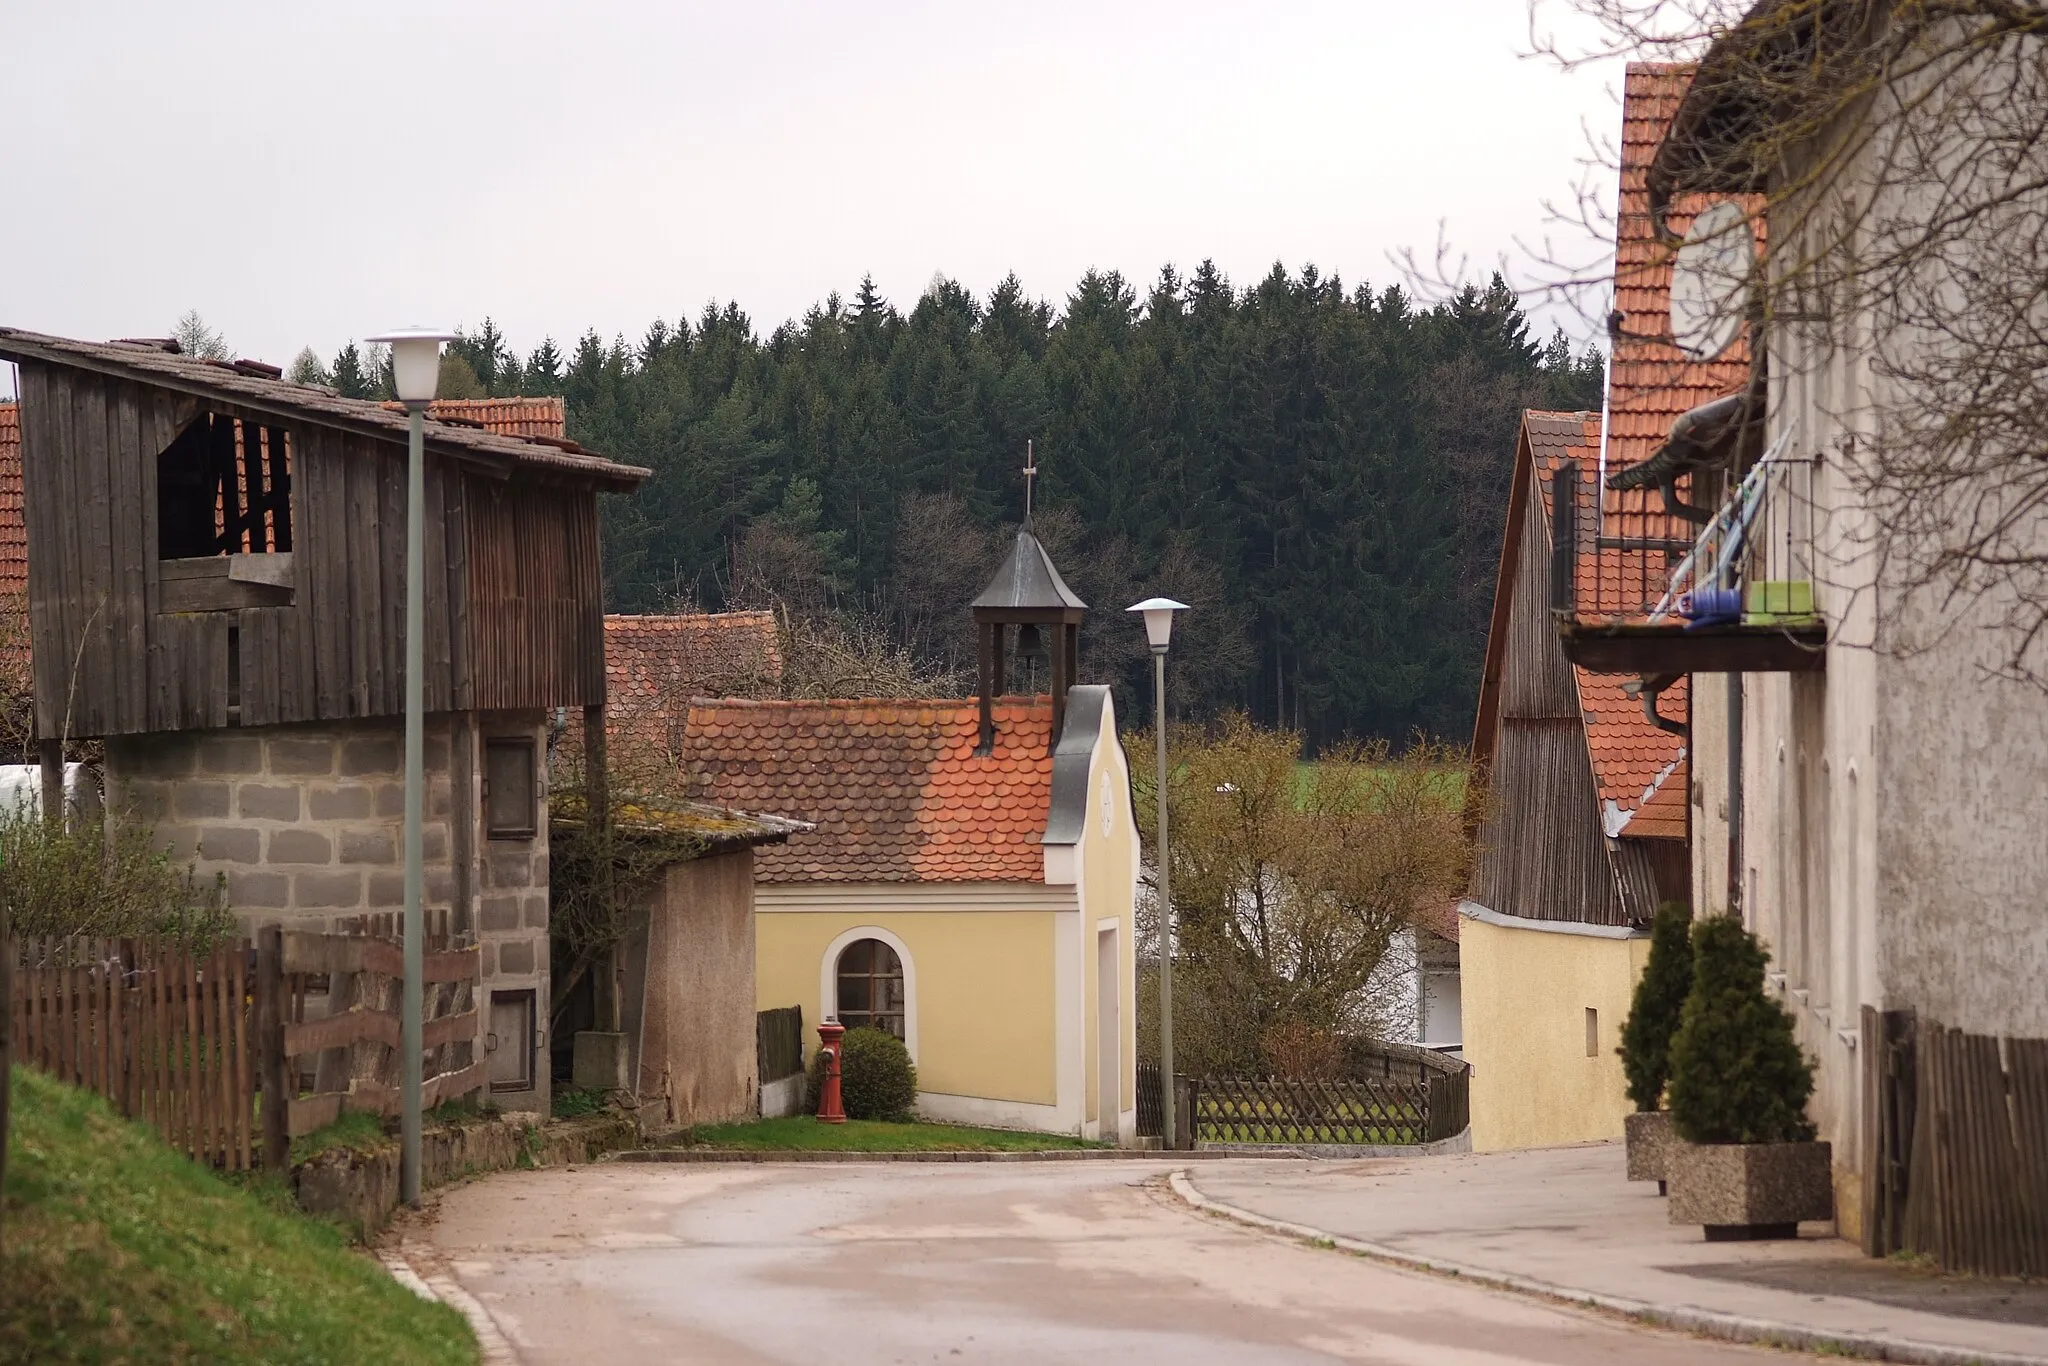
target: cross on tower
<point>1030,473</point>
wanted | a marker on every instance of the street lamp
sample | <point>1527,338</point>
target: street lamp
<point>415,374</point>
<point>1158,614</point>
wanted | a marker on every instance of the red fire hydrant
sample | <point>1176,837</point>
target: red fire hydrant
<point>830,1109</point>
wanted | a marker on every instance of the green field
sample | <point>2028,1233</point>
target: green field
<point>114,1249</point>
<point>802,1133</point>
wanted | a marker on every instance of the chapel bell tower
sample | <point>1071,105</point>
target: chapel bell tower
<point>1028,594</point>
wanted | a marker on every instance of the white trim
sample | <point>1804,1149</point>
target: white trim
<point>1472,910</point>
<point>828,978</point>
<point>994,1114</point>
<point>1062,865</point>
<point>1070,1028</point>
<point>1120,1131</point>
<point>888,898</point>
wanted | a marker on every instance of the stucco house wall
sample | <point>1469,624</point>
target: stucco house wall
<point>1544,1003</point>
<point>983,968</point>
<point>1892,853</point>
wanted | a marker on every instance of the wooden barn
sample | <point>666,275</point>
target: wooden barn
<point>216,590</point>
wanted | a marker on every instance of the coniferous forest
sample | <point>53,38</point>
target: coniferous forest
<point>1320,470</point>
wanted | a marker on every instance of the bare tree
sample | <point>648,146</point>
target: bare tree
<point>195,338</point>
<point>1298,887</point>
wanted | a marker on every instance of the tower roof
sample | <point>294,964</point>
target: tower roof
<point>1027,581</point>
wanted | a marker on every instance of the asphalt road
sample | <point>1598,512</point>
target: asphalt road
<point>994,1263</point>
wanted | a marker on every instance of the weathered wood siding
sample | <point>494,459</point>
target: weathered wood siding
<point>535,627</point>
<point>529,632</point>
<point>1542,854</point>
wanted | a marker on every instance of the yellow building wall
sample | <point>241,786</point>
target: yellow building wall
<point>983,982</point>
<point>1526,994</point>
<point>1109,890</point>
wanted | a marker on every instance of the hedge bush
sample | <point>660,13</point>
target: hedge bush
<point>1659,1000</point>
<point>877,1080</point>
<point>1737,1075</point>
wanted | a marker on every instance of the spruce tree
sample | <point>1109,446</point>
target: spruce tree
<point>1659,1000</point>
<point>1737,1075</point>
<point>348,375</point>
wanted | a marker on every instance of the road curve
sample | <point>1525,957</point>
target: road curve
<point>969,1263</point>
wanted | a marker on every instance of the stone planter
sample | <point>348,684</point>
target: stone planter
<point>1649,1137</point>
<point>1749,1190</point>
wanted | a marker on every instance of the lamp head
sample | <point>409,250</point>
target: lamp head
<point>1158,614</point>
<point>415,361</point>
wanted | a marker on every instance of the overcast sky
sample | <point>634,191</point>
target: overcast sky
<point>304,175</point>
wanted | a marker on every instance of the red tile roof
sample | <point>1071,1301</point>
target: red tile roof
<point>1650,381</point>
<point>681,655</point>
<point>13,530</point>
<point>895,788</point>
<point>1641,770</point>
<point>1633,761</point>
<point>655,665</point>
<point>502,416</point>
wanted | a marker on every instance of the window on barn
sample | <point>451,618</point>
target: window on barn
<point>511,789</point>
<point>224,487</point>
<point>870,987</point>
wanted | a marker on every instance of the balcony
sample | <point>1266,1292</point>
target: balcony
<point>1653,585</point>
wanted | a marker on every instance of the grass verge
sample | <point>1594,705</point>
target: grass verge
<point>114,1249</point>
<point>803,1133</point>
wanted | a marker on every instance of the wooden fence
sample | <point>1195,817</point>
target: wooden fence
<point>1422,1106</point>
<point>1958,1127</point>
<point>338,1039</point>
<point>188,1043</point>
<point>161,1032</point>
<point>779,1043</point>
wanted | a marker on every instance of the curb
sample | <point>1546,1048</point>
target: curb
<point>1705,1322</point>
<point>776,1155</point>
<point>492,1348</point>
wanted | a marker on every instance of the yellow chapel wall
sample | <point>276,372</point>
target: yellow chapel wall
<point>1526,994</point>
<point>982,984</point>
<point>1108,887</point>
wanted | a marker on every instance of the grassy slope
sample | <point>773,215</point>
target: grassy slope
<point>875,1136</point>
<point>115,1249</point>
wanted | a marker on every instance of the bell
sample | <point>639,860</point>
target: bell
<point>1030,645</point>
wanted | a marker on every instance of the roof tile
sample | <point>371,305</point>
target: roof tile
<point>895,788</point>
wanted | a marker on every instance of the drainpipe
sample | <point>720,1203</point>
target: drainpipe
<point>1735,795</point>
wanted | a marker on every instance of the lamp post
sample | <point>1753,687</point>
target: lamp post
<point>1158,614</point>
<point>416,373</point>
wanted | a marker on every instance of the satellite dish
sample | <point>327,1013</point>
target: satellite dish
<point>1710,281</point>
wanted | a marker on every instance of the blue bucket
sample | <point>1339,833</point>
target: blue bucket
<point>1712,606</point>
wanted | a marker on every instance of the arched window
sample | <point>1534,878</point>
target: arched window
<point>870,986</point>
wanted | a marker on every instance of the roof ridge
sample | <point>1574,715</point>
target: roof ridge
<point>1035,702</point>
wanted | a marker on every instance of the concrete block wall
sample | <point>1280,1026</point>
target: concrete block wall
<point>306,824</point>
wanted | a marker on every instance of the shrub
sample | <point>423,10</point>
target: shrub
<point>78,877</point>
<point>1737,1075</point>
<point>1659,1000</point>
<point>877,1080</point>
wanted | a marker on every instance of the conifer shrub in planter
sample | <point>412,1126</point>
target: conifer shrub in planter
<point>1645,1050</point>
<point>1748,1166</point>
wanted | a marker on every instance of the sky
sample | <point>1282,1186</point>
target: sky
<point>305,175</point>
